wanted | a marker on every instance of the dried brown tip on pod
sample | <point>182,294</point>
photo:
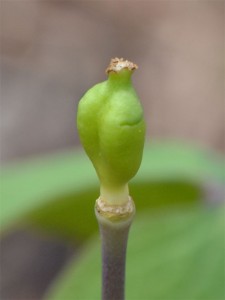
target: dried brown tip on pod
<point>118,64</point>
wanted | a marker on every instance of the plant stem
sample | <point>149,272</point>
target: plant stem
<point>114,223</point>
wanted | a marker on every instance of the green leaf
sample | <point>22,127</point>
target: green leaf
<point>172,255</point>
<point>72,216</point>
<point>173,160</point>
<point>56,192</point>
<point>32,184</point>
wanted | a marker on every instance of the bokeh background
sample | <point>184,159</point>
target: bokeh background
<point>53,51</point>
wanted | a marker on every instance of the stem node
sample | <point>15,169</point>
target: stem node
<point>114,223</point>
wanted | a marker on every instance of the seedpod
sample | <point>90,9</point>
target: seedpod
<point>112,130</point>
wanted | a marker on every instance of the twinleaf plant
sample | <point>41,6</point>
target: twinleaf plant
<point>111,127</point>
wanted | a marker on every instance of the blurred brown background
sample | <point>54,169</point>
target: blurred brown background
<point>53,51</point>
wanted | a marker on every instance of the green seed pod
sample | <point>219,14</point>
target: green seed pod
<point>111,127</point>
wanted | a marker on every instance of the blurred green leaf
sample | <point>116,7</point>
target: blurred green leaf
<point>56,192</point>
<point>171,255</point>
<point>73,217</point>
<point>32,184</point>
